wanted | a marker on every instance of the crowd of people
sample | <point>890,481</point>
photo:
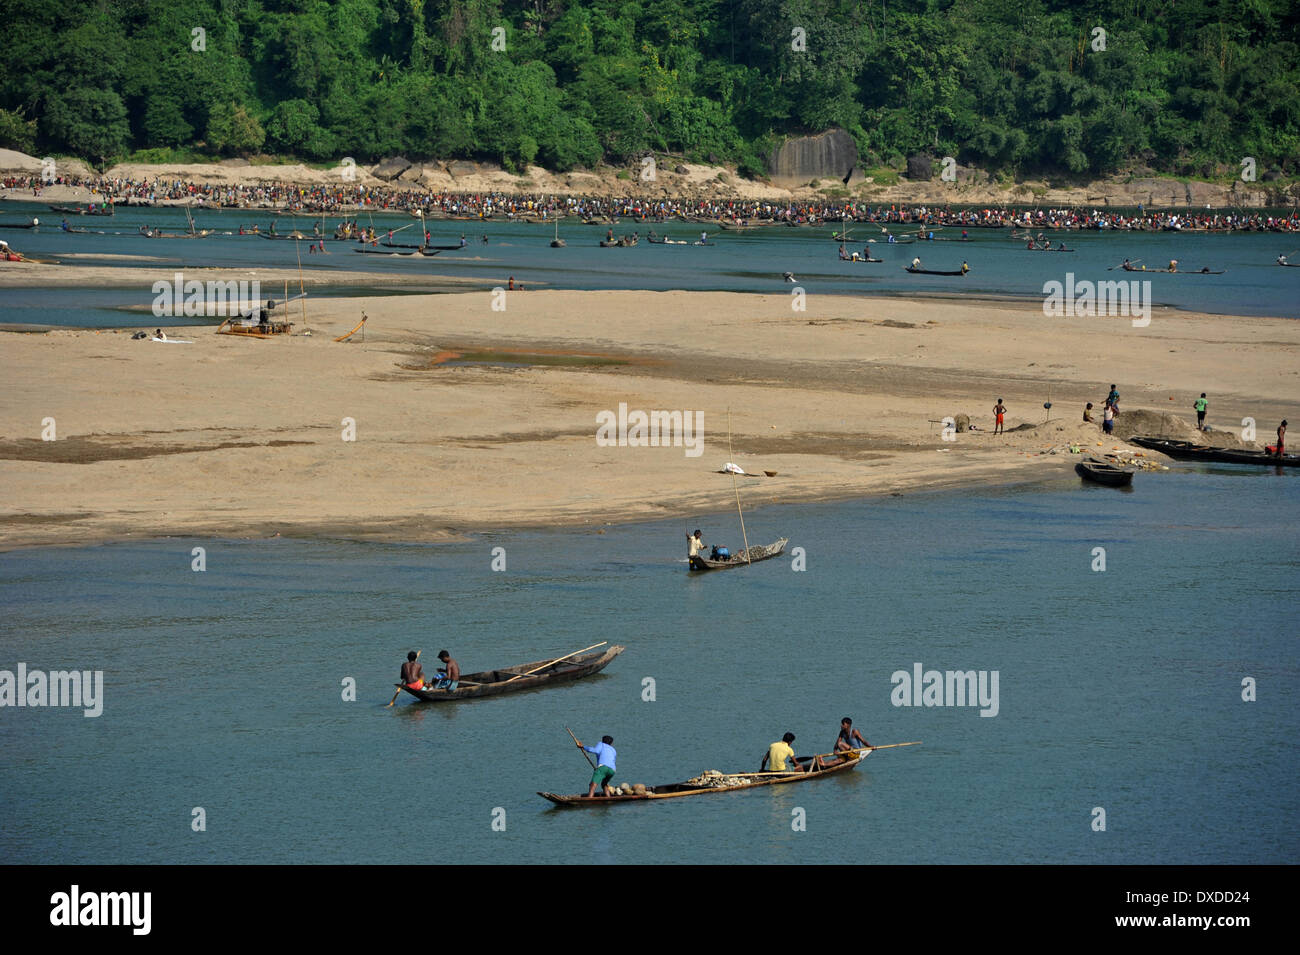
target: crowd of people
<point>345,197</point>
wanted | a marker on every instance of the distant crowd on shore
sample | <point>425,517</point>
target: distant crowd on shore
<point>348,198</point>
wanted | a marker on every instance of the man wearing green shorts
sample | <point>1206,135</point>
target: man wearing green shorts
<point>605,765</point>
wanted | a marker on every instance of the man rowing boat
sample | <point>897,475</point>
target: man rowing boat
<point>412,675</point>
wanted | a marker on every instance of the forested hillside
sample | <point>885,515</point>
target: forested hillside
<point>1014,86</point>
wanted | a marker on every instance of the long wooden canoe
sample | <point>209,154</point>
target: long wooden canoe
<point>932,271</point>
<point>508,679</point>
<point>725,784</point>
<point>743,559</point>
<point>1187,451</point>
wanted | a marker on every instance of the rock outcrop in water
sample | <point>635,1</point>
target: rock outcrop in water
<point>829,155</point>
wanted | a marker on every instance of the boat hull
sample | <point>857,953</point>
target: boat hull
<point>755,554</point>
<point>676,790</point>
<point>507,680</point>
<point>1186,451</point>
<point>1102,473</point>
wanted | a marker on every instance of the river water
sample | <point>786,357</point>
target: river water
<point>752,261</point>
<point>1119,690</point>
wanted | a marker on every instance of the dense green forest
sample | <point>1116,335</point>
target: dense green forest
<point>1013,86</point>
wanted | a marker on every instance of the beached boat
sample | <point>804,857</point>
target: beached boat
<point>750,555</point>
<point>1188,451</point>
<point>934,271</point>
<point>524,676</point>
<point>1103,472</point>
<point>714,783</point>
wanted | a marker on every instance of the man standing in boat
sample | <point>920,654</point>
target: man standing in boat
<point>449,676</point>
<point>696,545</point>
<point>1281,439</point>
<point>606,758</point>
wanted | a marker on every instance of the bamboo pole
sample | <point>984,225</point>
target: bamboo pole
<point>555,661</point>
<point>579,745</point>
<point>735,487</point>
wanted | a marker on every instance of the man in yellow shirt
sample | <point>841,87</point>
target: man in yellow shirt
<point>779,752</point>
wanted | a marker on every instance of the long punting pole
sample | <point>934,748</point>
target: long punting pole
<point>584,752</point>
<point>735,487</point>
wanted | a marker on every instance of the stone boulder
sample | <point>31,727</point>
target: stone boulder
<point>920,168</point>
<point>390,168</point>
<point>829,155</point>
<point>462,168</point>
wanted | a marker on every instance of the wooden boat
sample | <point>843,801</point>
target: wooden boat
<point>34,224</point>
<point>1187,451</point>
<point>1290,265</point>
<point>511,679</point>
<point>67,210</point>
<point>1103,472</point>
<point>933,271</point>
<point>390,251</point>
<point>704,783</point>
<point>1204,271</point>
<point>1040,249</point>
<point>290,235</point>
<point>750,555</point>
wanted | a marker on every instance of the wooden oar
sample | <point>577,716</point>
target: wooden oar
<point>558,660</point>
<point>579,745</point>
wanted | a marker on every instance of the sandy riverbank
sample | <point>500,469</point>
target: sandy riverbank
<point>231,438</point>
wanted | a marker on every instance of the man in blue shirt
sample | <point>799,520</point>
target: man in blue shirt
<point>605,764</point>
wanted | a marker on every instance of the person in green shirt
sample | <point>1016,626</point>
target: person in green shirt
<point>1200,406</point>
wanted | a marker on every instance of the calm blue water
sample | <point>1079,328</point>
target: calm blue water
<point>740,261</point>
<point>1119,689</point>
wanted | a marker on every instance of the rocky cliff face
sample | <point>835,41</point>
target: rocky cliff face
<point>829,155</point>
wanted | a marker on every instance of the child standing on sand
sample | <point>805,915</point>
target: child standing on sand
<point>999,411</point>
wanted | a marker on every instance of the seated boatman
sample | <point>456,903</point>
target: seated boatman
<point>412,675</point>
<point>448,678</point>
<point>845,741</point>
<point>776,755</point>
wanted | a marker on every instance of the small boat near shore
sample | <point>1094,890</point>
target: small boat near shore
<point>524,676</point>
<point>714,783</point>
<point>1188,451</point>
<point>1103,472</point>
<point>750,555</point>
